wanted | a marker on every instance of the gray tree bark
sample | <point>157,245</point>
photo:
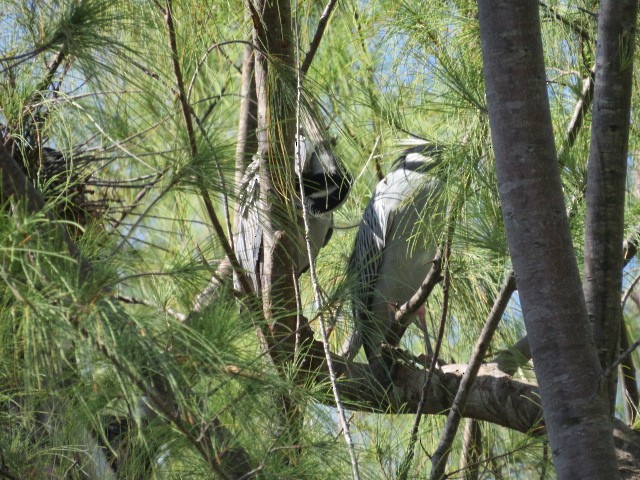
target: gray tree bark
<point>275,134</point>
<point>607,177</point>
<point>276,130</point>
<point>565,359</point>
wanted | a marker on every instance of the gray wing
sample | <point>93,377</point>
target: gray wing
<point>248,240</point>
<point>367,256</point>
<point>387,224</point>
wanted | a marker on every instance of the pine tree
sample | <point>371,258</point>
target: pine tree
<point>132,344</point>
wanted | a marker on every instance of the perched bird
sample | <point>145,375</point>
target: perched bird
<point>393,249</point>
<point>325,184</point>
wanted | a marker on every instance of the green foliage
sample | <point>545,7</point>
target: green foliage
<point>83,353</point>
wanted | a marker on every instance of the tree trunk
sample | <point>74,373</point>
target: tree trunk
<point>607,177</point>
<point>276,133</point>
<point>554,310</point>
<point>274,60</point>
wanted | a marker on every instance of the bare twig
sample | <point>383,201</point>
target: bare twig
<point>141,194</point>
<point>434,276</point>
<point>372,155</point>
<point>223,182</point>
<point>315,43</point>
<point>52,68</point>
<point>177,70</point>
<point>579,112</point>
<point>471,449</point>
<point>611,368</point>
<point>137,301</point>
<point>23,57</point>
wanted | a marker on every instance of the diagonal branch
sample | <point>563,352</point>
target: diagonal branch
<point>434,276</point>
<point>315,43</point>
<point>582,107</point>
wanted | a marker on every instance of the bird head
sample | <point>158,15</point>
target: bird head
<point>420,156</point>
<point>324,179</point>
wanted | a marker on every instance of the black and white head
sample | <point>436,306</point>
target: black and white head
<point>421,156</point>
<point>325,181</point>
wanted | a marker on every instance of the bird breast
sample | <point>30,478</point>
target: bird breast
<point>413,207</point>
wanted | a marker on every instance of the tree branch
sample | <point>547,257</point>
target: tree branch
<point>315,43</point>
<point>405,465</point>
<point>607,167</point>
<point>582,107</point>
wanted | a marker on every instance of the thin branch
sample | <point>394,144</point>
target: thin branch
<point>141,217</point>
<point>173,45</point>
<point>372,155</point>
<point>223,182</point>
<point>611,368</point>
<point>136,301</point>
<point>573,26</point>
<point>315,43</point>
<point>579,112</point>
<point>24,56</point>
<point>406,310</point>
<point>471,449</point>
<point>136,201</point>
<point>52,68</point>
<point>314,280</point>
<point>439,460</point>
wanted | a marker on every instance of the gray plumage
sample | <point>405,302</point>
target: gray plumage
<point>394,247</point>
<point>326,184</point>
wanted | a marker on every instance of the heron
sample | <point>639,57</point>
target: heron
<point>393,250</point>
<point>325,184</point>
